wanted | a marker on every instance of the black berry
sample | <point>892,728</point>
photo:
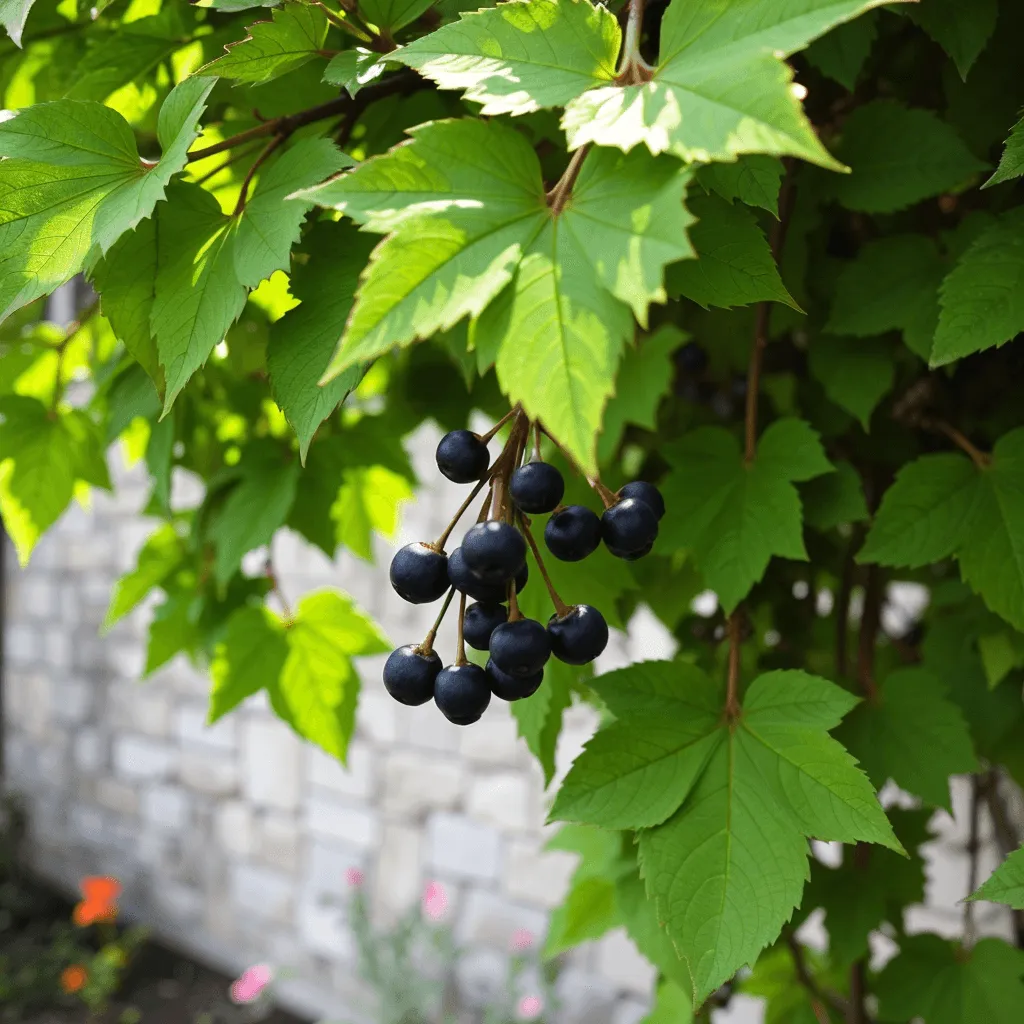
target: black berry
<point>462,692</point>
<point>692,358</point>
<point>462,456</point>
<point>520,648</point>
<point>631,556</point>
<point>409,675</point>
<point>578,637</point>
<point>629,526</point>
<point>513,687</point>
<point>494,551</point>
<point>537,487</point>
<point>573,533</point>
<point>419,574</point>
<point>647,493</point>
<point>481,621</point>
<point>472,586</point>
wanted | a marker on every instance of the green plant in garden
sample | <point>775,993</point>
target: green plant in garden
<point>767,255</point>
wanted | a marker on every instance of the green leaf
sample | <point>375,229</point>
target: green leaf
<point>368,503</point>
<point>588,911</point>
<point>962,30</point>
<point>855,372</point>
<point>983,296</point>
<point>1006,885</point>
<point>255,508</point>
<point>647,687</point>
<point>1000,653</point>
<point>41,458</point>
<point>644,378</point>
<point>197,295</point>
<point>303,340</point>
<point>832,500</point>
<point>158,558</point>
<point>841,54</point>
<point>891,285</point>
<point>734,265</point>
<point>317,690</point>
<point>171,631</point>
<point>13,15</point>
<point>672,1005</point>
<point>754,180</point>
<point>946,984</point>
<point>519,57</point>
<point>721,87</point>
<point>352,69</point>
<point>269,225</point>
<point>733,516</point>
<point>728,869</point>
<point>248,659</point>
<point>911,733</point>
<point>1011,165</point>
<point>539,719</point>
<point>899,156</point>
<point>295,35</point>
<point>72,183</point>
<point>463,230</point>
<point>392,15</point>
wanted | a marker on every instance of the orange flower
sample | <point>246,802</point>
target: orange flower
<point>73,978</point>
<point>99,903</point>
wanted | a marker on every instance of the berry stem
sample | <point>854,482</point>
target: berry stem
<point>428,641</point>
<point>732,700</point>
<point>497,426</point>
<point>460,643</point>
<point>608,497</point>
<point>561,608</point>
<point>560,194</point>
<point>536,442</point>
<point>443,539</point>
<point>978,457</point>
<point>514,614</point>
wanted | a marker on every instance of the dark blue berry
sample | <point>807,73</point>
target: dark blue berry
<point>692,358</point>
<point>419,574</point>
<point>628,527</point>
<point>631,556</point>
<point>520,648</point>
<point>494,551</point>
<point>513,687</point>
<point>481,621</point>
<point>462,692</point>
<point>537,487</point>
<point>579,636</point>
<point>462,456</point>
<point>472,586</point>
<point>409,675</point>
<point>573,533</point>
<point>647,493</point>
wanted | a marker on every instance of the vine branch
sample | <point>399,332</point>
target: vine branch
<point>734,626</point>
<point>559,195</point>
<point>819,996</point>
<point>243,195</point>
<point>869,623</point>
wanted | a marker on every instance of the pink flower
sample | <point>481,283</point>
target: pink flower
<point>249,987</point>
<point>435,901</point>
<point>353,877</point>
<point>530,1007</point>
<point>522,940</point>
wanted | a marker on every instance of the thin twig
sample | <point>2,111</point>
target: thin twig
<point>978,457</point>
<point>460,643</point>
<point>809,982</point>
<point>243,195</point>
<point>633,69</point>
<point>732,699</point>
<point>870,618</point>
<point>497,426</point>
<point>559,195</point>
<point>561,608</point>
<point>275,588</point>
<point>1007,837</point>
<point>843,605</point>
<point>239,154</point>
<point>460,512</point>
<point>973,853</point>
<point>428,641</point>
<point>858,1012</point>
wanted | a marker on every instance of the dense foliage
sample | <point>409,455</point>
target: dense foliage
<point>768,254</point>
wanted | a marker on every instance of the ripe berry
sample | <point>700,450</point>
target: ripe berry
<point>692,358</point>
<point>631,556</point>
<point>537,487</point>
<point>494,551</point>
<point>520,648</point>
<point>578,637</point>
<point>462,692</point>
<point>472,586</point>
<point>628,526</point>
<point>481,621</point>
<point>647,493</point>
<point>573,533</point>
<point>512,687</point>
<point>419,574</point>
<point>462,456</point>
<point>409,675</point>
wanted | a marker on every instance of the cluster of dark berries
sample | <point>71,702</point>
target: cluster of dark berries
<point>489,567</point>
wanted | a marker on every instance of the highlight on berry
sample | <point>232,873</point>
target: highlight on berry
<point>490,568</point>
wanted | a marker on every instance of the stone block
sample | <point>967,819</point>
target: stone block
<point>57,651</point>
<point>535,876</point>
<point>139,709</point>
<point>190,727</point>
<point>492,740</point>
<point>165,807</point>
<point>277,841</point>
<point>88,824</point>
<point>620,962</point>
<point>322,928</point>
<point>74,698</point>
<point>585,999</point>
<point>234,828</point>
<point>262,892</point>
<point>117,796</point>
<point>462,848</point>
<point>271,764</point>
<point>481,976</point>
<point>399,874</point>
<point>414,783</point>
<point>208,772</point>
<point>138,757</point>
<point>37,598</point>
<point>324,870</point>
<point>487,919</point>
<point>23,644</point>
<point>427,732</point>
<point>376,718</point>
<point>356,780</point>
<point>355,826</point>
<point>502,800</point>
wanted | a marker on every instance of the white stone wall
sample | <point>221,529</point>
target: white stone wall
<point>233,841</point>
